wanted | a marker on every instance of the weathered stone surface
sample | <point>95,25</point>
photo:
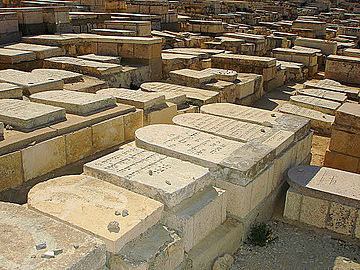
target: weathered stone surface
<point>326,183</point>
<point>314,211</point>
<point>236,130</point>
<point>194,95</point>
<point>319,121</point>
<point>90,205</point>
<point>317,104</point>
<point>299,125</point>
<point>31,83</point>
<point>139,99</point>
<point>25,115</point>
<point>158,247</point>
<point>9,90</point>
<point>222,74</point>
<point>343,69</point>
<point>9,56</point>
<point>335,86</point>
<point>324,94</point>
<point>149,174</point>
<point>58,74</point>
<point>101,58</point>
<point>1,130</point>
<point>41,51</point>
<point>10,175</point>
<point>190,77</point>
<point>348,115</point>
<point>75,102</point>
<point>234,160</point>
<point>21,229</point>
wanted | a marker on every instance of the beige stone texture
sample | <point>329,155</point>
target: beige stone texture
<point>108,133</point>
<point>292,205</point>
<point>314,211</point>
<point>89,204</point>
<point>357,228</point>
<point>132,122</point>
<point>78,145</point>
<point>341,218</point>
<point>43,157</point>
<point>10,170</point>
<point>161,116</point>
<point>341,161</point>
<point>259,188</point>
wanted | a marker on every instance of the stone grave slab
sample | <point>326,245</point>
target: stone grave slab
<point>222,74</point>
<point>348,115</point>
<point>317,104</point>
<point>236,161</point>
<point>191,77</point>
<point>236,130</point>
<point>41,51</point>
<point>298,125</point>
<point>8,56</point>
<point>9,90</point>
<point>324,94</point>
<point>139,99</point>
<point>58,74</point>
<point>22,229</point>
<point>326,183</point>
<point>335,86</point>
<point>193,95</point>
<point>159,177</point>
<point>320,121</point>
<point>27,116</point>
<point>75,102</point>
<point>31,83</point>
<point>89,204</point>
<point>101,58</point>
<point>82,65</point>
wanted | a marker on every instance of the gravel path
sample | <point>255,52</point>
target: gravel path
<point>298,249</point>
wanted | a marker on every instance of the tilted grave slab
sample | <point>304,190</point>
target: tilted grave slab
<point>90,206</point>
<point>318,104</point>
<point>31,83</point>
<point>331,85</point>
<point>9,56</point>
<point>26,116</point>
<point>58,74</point>
<point>324,94</point>
<point>139,99</point>
<point>194,95</point>
<point>319,121</point>
<point>22,230</point>
<point>9,90</point>
<point>75,102</point>
<point>41,51</point>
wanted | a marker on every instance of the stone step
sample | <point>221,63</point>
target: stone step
<point>319,121</point>
<point>23,230</point>
<point>325,198</point>
<point>157,248</point>
<point>197,216</point>
<point>156,176</point>
<point>112,214</point>
<point>75,102</point>
<point>324,94</point>
<point>317,104</point>
<point>226,238</point>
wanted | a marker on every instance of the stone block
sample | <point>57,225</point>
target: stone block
<point>317,104</point>
<point>345,142</point>
<point>324,94</point>
<point>8,56</point>
<point>314,211</point>
<point>10,170</point>
<point>41,51</point>
<point>132,122</point>
<point>341,218</point>
<point>162,115</point>
<point>343,69</point>
<point>292,205</point>
<point>8,90</point>
<point>59,74</point>
<point>108,133</point>
<point>348,115</point>
<point>78,145</point>
<point>341,161</point>
<point>53,156</point>
<point>90,206</point>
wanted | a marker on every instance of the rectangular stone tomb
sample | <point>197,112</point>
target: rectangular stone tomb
<point>9,90</point>
<point>324,94</point>
<point>159,177</point>
<point>27,116</point>
<point>335,86</point>
<point>348,115</point>
<point>139,99</point>
<point>22,230</point>
<point>317,104</point>
<point>236,130</point>
<point>235,161</point>
<point>325,198</point>
<point>319,121</point>
<point>31,83</point>
<point>194,95</point>
<point>298,125</point>
<point>113,214</point>
<point>75,102</point>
